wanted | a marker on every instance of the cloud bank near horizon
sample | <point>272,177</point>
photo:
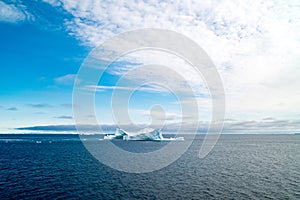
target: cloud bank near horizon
<point>266,125</point>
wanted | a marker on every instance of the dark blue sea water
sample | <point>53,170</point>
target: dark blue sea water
<point>239,167</point>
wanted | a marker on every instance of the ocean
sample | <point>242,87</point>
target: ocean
<point>48,166</point>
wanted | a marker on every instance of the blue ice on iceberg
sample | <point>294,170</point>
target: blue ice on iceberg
<point>147,134</point>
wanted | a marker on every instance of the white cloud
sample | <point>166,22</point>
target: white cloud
<point>13,14</point>
<point>157,115</point>
<point>67,79</point>
<point>164,69</point>
<point>53,2</point>
<point>254,44</point>
<point>145,88</point>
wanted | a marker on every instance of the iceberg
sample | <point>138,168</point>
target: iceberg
<point>119,134</point>
<point>147,134</point>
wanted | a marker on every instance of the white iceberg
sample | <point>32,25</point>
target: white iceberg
<point>119,134</point>
<point>147,134</point>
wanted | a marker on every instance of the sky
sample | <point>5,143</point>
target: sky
<point>255,46</point>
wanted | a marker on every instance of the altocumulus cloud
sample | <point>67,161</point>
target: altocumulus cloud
<point>13,14</point>
<point>254,44</point>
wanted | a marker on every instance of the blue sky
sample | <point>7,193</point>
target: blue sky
<point>255,46</point>
<point>36,60</point>
<point>32,60</point>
